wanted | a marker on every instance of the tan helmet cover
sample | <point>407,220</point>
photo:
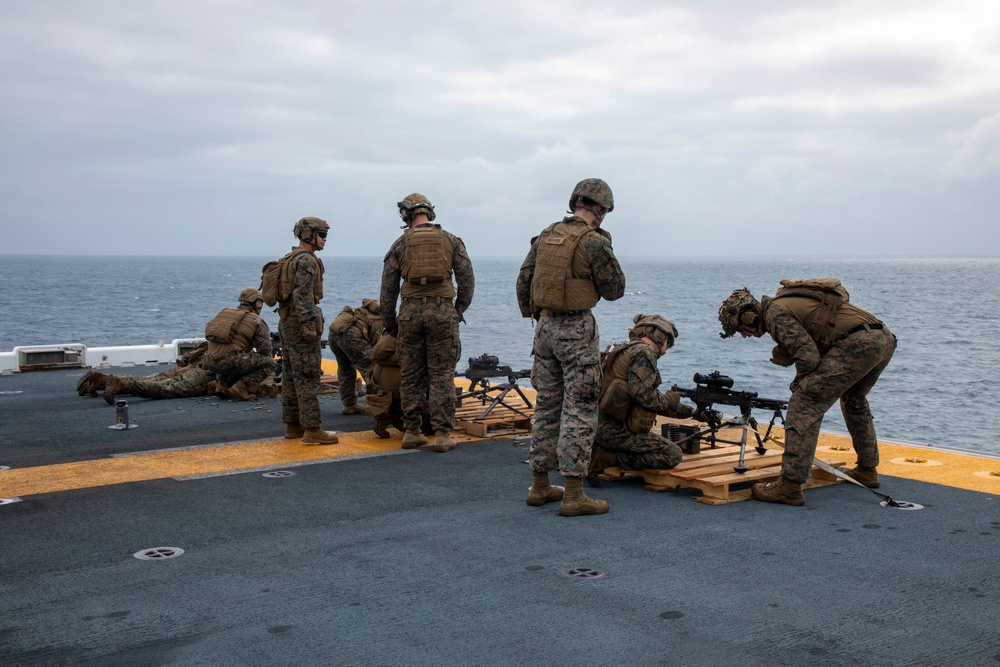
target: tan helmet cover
<point>251,296</point>
<point>413,204</point>
<point>306,227</point>
<point>732,308</point>
<point>654,327</point>
<point>595,190</point>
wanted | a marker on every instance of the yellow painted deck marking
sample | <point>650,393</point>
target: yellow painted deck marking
<point>179,463</point>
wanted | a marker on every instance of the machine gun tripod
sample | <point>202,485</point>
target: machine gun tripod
<point>481,370</point>
<point>716,388</point>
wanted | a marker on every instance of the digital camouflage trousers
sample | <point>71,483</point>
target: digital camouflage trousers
<point>566,374</point>
<point>636,451</point>
<point>250,367</point>
<point>301,369</point>
<point>428,350</point>
<point>846,373</point>
<point>354,355</point>
<point>184,382</point>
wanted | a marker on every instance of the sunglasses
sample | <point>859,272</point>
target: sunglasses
<point>322,235</point>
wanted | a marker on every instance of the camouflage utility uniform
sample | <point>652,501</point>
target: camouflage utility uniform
<point>182,382</point>
<point>862,349</point>
<point>301,354</point>
<point>429,344</point>
<point>645,449</point>
<point>353,334</point>
<point>252,365</point>
<point>566,371</point>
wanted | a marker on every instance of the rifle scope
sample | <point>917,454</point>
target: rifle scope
<point>484,361</point>
<point>715,380</point>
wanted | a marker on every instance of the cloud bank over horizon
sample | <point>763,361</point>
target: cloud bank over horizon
<point>724,128</point>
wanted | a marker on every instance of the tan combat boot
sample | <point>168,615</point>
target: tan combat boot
<point>238,391</point>
<point>866,476</point>
<point>294,431</point>
<point>352,410</point>
<point>113,387</point>
<point>541,491</point>
<point>782,490</point>
<point>443,442</point>
<point>576,503</point>
<point>413,439</point>
<point>599,460</point>
<point>317,436</point>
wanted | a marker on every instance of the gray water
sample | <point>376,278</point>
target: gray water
<point>937,390</point>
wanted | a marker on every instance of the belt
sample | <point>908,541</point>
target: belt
<point>565,313</point>
<point>866,327</point>
<point>427,299</point>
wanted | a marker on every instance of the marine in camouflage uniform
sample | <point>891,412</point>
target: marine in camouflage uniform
<point>300,324</point>
<point>631,400</point>
<point>568,269</point>
<point>838,354</point>
<point>182,382</point>
<point>426,259</point>
<point>353,334</point>
<point>241,366</point>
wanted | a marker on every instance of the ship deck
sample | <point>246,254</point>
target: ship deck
<point>373,555</point>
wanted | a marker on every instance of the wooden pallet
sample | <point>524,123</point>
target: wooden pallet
<point>711,472</point>
<point>500,422</point>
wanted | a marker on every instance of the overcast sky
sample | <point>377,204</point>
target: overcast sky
<point>724,127</point>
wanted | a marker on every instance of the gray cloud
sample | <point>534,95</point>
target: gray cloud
<point>724,128</point>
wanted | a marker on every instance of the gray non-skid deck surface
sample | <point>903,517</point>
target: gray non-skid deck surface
<point>434,559</point>
<point>49,423</point>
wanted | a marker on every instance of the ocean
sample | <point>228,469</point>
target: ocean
<point>937,390</point>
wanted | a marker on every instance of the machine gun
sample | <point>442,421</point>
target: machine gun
<point>487,366</point>
<point>716,389</point>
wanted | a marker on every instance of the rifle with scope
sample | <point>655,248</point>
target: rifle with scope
<point>484,368</point>
<point>716,389</point>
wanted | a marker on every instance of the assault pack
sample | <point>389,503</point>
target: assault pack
<point>276,280</point>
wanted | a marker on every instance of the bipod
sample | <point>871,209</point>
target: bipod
<point>746,423</point>
<point>483,394</point>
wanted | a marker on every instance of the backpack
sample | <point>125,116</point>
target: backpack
<point>270,282</point>
<point>275,283</point>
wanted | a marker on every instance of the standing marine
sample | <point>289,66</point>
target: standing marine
<point>300,325</point>
<point>239,348</point>
<point>838,350</point>
<point>569,268</point>
<point>426,259</point>
<point>631,400</point>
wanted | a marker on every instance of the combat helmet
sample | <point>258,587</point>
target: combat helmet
<point>306,227</point>
<point>250,297</point>
<point>655,327</point>
<point>735,305</point>
<point>413,204</point>
<point>595,190</point>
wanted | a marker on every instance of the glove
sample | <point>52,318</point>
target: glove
<point>310,335</point>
